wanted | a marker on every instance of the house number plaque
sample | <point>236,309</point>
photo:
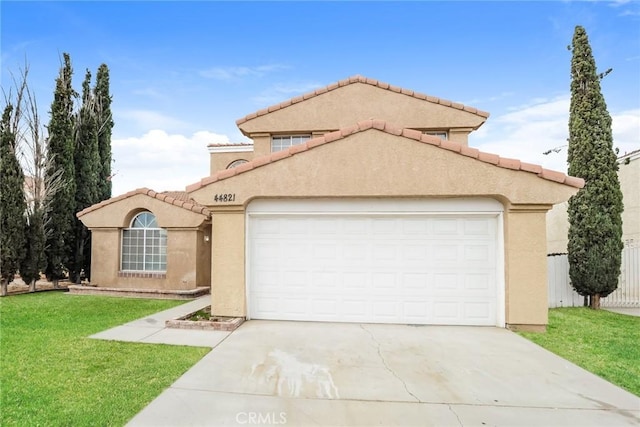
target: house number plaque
<point>229,197</point>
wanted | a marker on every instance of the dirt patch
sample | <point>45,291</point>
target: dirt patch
<point>19,287</point>
<point>204,320</point>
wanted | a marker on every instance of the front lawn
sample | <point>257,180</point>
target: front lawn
<point>605,343</point>
<point>51,374</point>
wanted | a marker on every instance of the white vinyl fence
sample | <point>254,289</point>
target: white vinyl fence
<point>561,294</point>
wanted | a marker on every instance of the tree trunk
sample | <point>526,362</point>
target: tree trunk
<point>55,284</point>
<point>585,303</point>
<point>3,288</point>
<point>32,285</point>
<point>595,302</point>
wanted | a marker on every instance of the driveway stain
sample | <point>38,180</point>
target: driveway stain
<point>292,378</point>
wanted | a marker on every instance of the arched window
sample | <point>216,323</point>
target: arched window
<point>236,163</point>
<point>144,245</point>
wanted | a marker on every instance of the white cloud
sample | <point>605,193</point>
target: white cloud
<point>626,130</point>
<point>161,161</point>
<point>148,119</point>
<point>528,131</point>
<point>150,92</point>
<point>282,91</point>
<point>230,73</point>
<point>494,98</point>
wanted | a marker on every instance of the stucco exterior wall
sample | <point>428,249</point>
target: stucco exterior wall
<point>228,296</point>
<point>347,105</point>
<point>220,161</point>
<point>203,257</point>
<point>105,256</point>
<point>377,164</point>
<point>188,255</point>
<point>526,267</point>
<point>187,262</point>
<point>121,213</point>
<point>629,176</point>
<point>557,229</point>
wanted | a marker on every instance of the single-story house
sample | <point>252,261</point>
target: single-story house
<point>358,202</point>
<point>629,177</point>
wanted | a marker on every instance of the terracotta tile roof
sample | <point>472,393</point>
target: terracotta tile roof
<point>383,126</point>
<point>181,199</point>
<point>361,79</point>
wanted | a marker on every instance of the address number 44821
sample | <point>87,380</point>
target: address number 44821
<point>230,197</point>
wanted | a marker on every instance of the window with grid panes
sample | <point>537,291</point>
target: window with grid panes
<point>144,245</point>
<point>440,134</point>
<point>282,142</point>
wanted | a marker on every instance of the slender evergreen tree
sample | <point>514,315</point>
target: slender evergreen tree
<point>595,224</point>
<point>105,126</point>
<point>12,203</point>
<point>59,213</point>
<point>87,169</point>
<point>34,261</point>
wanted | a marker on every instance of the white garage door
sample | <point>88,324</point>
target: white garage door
<point>377,262</point>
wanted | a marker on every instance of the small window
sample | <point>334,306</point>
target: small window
<point>440,134</point>
<point>282,142</point>
<point>144,245</point>
<point>236,163</point>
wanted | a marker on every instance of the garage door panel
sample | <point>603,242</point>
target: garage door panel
<point>477,310</point>
<point>294,279</point>
<point>446,311</point>
<point>446,253</point>
<point>359,268</point>
<point>384,281</point>
<point>355,226</point>
<point>323,280</point>
<point>353,309</point>
<point>384,227</point>
<point>446,227</point>
<point>415,228</point>
<point>414,282</point>
<point>478,282</point>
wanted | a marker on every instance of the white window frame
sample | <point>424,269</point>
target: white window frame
<point>147,266</point>
<point>283,142</point>
<point>236,163</point>
<point>442,134</point>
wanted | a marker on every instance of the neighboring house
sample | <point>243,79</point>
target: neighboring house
<point>629,176</point>
<point>358,202</point>
<point>33,190</point>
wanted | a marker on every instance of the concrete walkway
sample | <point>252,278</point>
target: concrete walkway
<point>151,329</point>
<point>629,311</point>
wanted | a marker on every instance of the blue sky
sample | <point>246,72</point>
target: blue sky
<point>183,72</point>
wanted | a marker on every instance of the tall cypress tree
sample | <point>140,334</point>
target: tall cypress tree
<point>12,203</point>
<point>60,204</point>
<point>595,223</point>
<point>34,261</point>
<point>105,126</point>
<point>87,169</point>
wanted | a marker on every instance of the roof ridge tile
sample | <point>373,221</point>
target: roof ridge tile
<point>430,139</point>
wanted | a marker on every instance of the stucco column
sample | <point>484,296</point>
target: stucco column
<point>526,267</point>
<point>228,297</point>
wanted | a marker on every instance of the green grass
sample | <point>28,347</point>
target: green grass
<point>604,343</point>
<point>51,374</point>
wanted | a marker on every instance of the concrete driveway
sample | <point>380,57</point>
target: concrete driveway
<point>307,374</point>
